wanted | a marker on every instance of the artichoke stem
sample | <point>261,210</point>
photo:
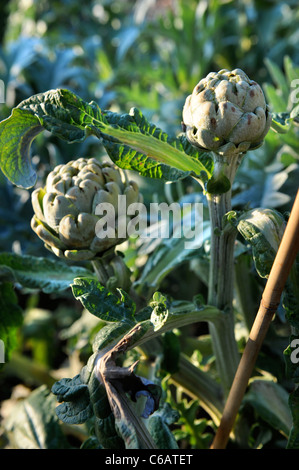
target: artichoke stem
<point>101,271</point>
<point>221,278</point>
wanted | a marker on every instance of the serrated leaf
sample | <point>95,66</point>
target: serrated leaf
<point>130,140</point>
<point>64,113</point>
<point>16,135</point>
<point>76,407</point>
<point>150,151</point>
<point>84,398</point>
<point>39,273</point>
<point>102,303</point>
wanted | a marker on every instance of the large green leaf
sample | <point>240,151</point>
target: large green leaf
<point>102,303</point>
<point>119,313</point>
<point>39,273</point>
<point>143,147</point>
<point>16,135</point>
<point>33,423</point>
<point>270,401</point>
<point>130,140</point>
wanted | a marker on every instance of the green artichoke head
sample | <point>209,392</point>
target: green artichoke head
<point>226,113</point>
<point>65,214</point>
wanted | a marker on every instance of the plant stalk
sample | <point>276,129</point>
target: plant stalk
<point>221,276</point>
<point>101,271</point>
<point>285,257</point>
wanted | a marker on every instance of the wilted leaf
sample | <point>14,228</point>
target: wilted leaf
<point>120,381</point>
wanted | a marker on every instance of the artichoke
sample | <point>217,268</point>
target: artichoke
<point>226,113</point>
<point>65,210</point>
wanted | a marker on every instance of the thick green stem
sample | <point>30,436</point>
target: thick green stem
<point>221,277</point>
<point>101,271</point>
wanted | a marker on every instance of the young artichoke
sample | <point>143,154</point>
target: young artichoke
<point>226,113</point>
<point>65,210</point>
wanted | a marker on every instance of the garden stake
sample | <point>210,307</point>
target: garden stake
<point>279,273</point>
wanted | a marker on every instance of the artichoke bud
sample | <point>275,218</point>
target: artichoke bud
<point>263,229</point>
<point>65,215</point>
<point>226,113</point>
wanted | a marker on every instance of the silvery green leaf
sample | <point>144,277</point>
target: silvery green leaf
<point>39,273</point>
<point>130,140</point>
<point>16,135</point>
<point>33,423</point>
<point>270,401</point>
<point>101,302</point>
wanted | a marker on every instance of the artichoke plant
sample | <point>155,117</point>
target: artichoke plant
<point>226,113</point>
<point>65,210</point>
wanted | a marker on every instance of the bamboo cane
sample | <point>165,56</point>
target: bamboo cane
<point>279,273</point>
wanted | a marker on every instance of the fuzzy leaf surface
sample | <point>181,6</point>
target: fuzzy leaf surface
<point>102,303</point>
<point>130,140</point>
<point>39,273</point>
